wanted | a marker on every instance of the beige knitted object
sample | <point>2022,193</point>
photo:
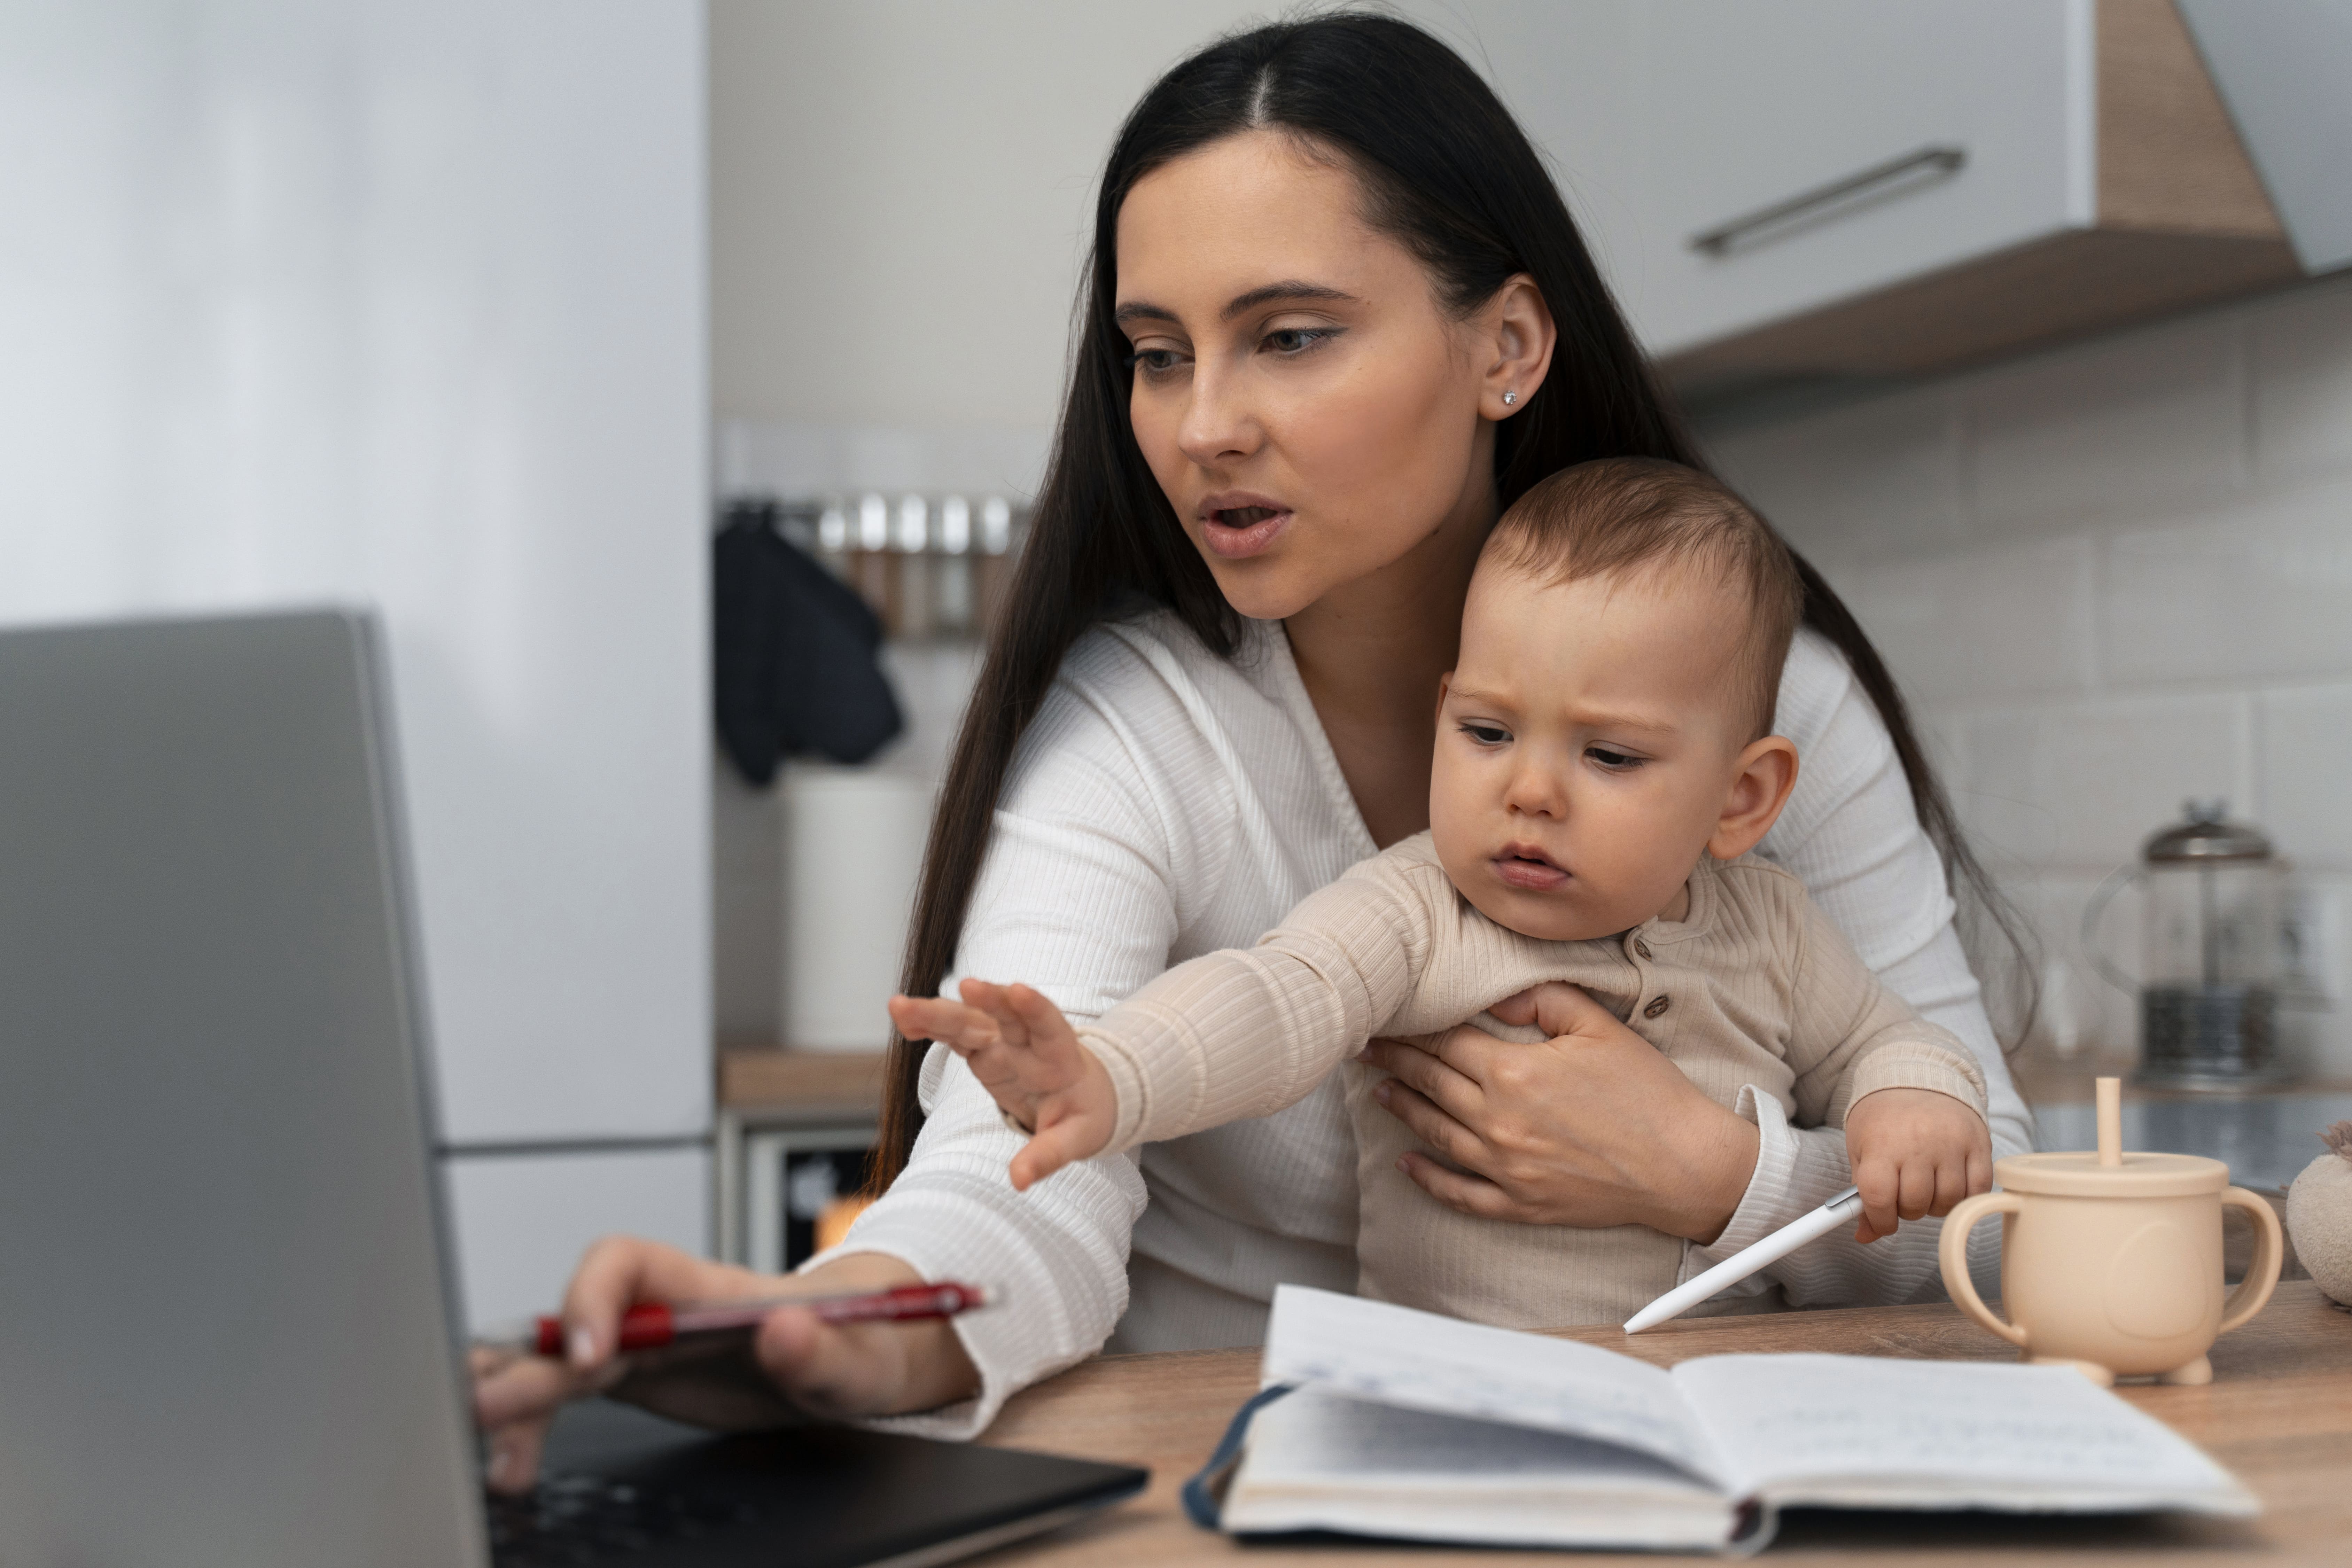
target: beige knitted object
<point>2319,1215</point>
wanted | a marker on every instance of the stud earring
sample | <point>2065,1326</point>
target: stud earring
<point>1509,398</point>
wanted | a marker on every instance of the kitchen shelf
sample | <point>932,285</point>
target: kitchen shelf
<point>812,1085</point>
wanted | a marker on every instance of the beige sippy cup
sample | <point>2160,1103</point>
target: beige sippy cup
<point>2113,1261</point>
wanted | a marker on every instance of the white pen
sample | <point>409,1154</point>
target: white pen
<point>1748,1260</point>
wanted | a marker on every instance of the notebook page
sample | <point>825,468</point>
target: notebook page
<point>1419,1361</point>
<point>1866,1430</point>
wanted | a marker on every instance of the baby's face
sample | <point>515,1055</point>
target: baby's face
<point>1587,741</point>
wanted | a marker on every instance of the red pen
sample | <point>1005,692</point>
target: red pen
<point>651,1324</point>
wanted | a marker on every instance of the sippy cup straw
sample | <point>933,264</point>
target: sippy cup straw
<point>2110,1091</point>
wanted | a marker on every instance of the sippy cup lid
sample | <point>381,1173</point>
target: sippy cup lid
<point>2139,1176</point>
<point>2107,1172</point>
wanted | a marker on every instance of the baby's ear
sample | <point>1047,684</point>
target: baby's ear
<point>1761,781</point>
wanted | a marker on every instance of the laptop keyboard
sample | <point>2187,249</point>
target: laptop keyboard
<point>573,1522</point>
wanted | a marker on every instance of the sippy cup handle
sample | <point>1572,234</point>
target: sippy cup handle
<point>1952,1251</point>
<point>2263,1273</point>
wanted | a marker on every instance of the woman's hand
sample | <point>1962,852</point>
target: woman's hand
<point>1592,1128</point>
<point>861,1369</point>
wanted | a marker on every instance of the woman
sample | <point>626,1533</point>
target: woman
<point>1337,317</point>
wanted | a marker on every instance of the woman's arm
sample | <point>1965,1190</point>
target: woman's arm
<point>1088,876</point>
<point>1106,841</point>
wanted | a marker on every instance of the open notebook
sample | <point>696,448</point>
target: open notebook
<point>1403,1424</point>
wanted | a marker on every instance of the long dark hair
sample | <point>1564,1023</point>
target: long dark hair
<point>1446,171</point>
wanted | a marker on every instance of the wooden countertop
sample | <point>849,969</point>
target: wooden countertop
<point>2278,1412</point>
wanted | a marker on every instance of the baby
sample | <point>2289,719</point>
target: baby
<point>1604,764</point>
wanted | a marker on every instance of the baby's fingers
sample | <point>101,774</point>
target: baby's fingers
<point>1960,1176</point>
<point>1066,1141</point>
<point>996,1001</point>
<point>1050,1035</point>
<point>937,1018</point>
<point>1881,1191</point>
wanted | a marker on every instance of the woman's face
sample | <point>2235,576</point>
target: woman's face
<point>1311,410</point>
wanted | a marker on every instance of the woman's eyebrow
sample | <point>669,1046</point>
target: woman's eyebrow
<point>1143,310</point>
<point>1287,291</point>
<point>1284,293</point>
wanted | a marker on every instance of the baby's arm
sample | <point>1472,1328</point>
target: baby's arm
<point>1909,1094</point>
<point>1024,1053</point>
<point>1229,1034</point>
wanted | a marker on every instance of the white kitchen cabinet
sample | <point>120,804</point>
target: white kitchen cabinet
<point>1797,189</point>
<point>1976,116</point>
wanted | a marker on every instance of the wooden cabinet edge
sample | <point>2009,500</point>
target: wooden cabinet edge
<point>844,1081</point>
<point>2183,221</point>
<point>2169,159</point>
<point>2066,285</point>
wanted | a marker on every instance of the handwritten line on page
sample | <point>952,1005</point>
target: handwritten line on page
<point>1871,1431</point>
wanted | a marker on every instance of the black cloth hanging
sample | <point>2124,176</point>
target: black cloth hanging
<point>795,669</point>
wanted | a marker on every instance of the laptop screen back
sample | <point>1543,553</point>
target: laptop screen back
<point>224,1315</point>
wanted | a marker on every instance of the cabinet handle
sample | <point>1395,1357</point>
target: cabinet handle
<point>1910,171</point>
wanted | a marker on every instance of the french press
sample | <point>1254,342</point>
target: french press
<point>2212,951</point>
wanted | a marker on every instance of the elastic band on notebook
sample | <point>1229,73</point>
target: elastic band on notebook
<point>1204,1494</point>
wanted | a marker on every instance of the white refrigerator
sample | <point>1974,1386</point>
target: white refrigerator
<point>402,302</point>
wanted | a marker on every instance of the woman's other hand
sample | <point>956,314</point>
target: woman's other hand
<point>849,1369</point>
<point>1592,1128</point>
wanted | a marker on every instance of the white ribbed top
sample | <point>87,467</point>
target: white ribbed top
<point>1166,804</point>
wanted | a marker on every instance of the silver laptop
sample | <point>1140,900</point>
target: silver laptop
<point>228,1334</point>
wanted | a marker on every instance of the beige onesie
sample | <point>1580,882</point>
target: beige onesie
<point>1753,986</point>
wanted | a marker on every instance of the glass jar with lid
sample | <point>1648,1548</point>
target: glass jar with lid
<point>2213,951</point>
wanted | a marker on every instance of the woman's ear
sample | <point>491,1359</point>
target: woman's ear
<point>1767,771</point>
<point>1521,334</point>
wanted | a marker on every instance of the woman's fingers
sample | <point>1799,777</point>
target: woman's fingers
<point>514,1401</point>
<point>1439,1081</point>
<point>1432,1125</point>
<point>1470,1194</point>
<point>622,1270</point>
<point>827,1369</point>
<point>1563,1009</point>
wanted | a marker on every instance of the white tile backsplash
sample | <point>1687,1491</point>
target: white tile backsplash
<point>1856,475</point>
<point>2151,418</point>
<point>2080,784</point>
<point>2300,357</point>
<point>2000,622</point>
<point>2305,761</point>
<point>2109,577</point>
<point>2262,588</point>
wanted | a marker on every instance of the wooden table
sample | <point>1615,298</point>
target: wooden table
<point>2278,1412</point>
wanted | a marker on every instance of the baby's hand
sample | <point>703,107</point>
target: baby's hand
<point>1914,1153</point>
<point>1026,1056</point>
